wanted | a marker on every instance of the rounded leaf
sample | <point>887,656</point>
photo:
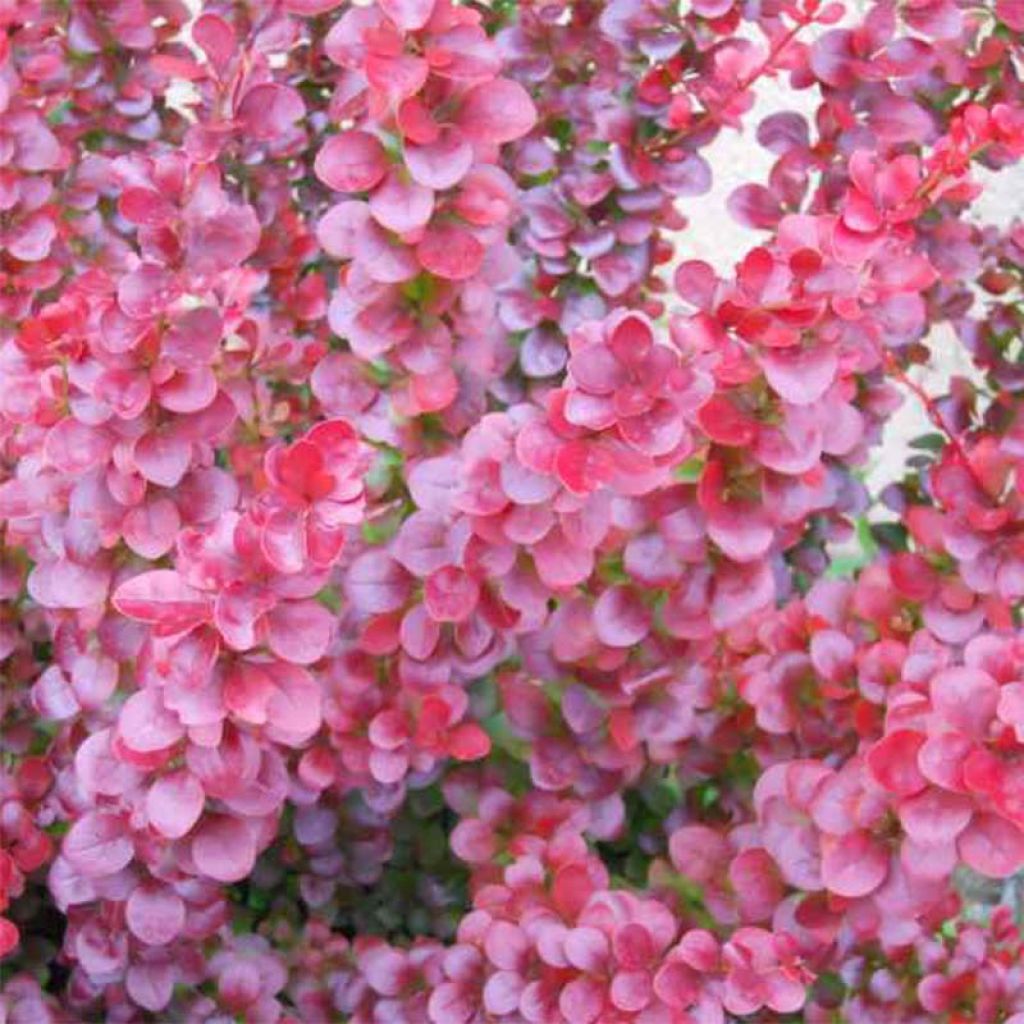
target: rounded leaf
<point>224,849</point>
<point>155,914</point>
<point>352,161</point>
<point>99,844</point>
<point>174,803</point>
<point>450,252</point>
<point>855,865</point>
<point>992,846</point>
<point>164,600</point>
<point>497,111</point>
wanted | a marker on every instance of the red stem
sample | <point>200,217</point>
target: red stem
<point>740,87</point>
<point>896,371</point>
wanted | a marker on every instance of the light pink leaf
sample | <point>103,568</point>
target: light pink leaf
<point>450,252</point>
<point>145,725</point>
<point>270,110</point>
<point>441,164</point>
<point>164,600</point>
<point>496,111</point>
<point>401,206</point>
<point>966,698</point>
<point>162,458</point>
<point>935,817</point>
<point>376,583</point>
<point>224,849</point>
<point>150,529</point>
<point>800,376</point>
<point>147,292</point>
<point>450,594</point>
<point>561,564</point>
<point>408,15</point>
<point>992,846</point>
<point>62,583</point>
<point>151,985</point>
<point>215,37</point>
<point>174,803</point>
<point>754,206</point>
<point>294,708</point>
<point>353,161</point>
<point>300,631</point>
<point>75,448</point>
<point>855,865</point>
<point>99,771</point>
<point>155,914</point>
<point>99,844</point>
<point>620,618</point>
<point>341,228</point>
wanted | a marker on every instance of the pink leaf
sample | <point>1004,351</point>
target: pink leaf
<point>215,37</point>
<point>502,992</point>
<point>151,985</point>
<point>966,698</point>
<point>450,595</point>
<point>145,207</point>
<point>155,914</point>
<point>224,849</point>
<point>497,111</point>
<point>376,583</point>
<point>935,817</point>
<point>754,206</point>
<point>396,76</point>
<point>401,206</point>
<point>561,564</point>
<point>893,762</point>
<point>300,631</point>
<point>992,846</point>
<point>147,291</point>
<point>294,708</point>
<point>353,161</point>
<point>854,865</point>
<point>441,164</point>
<point>162,599</point>
<point>162,458</point>
<point>150,529</point>
<point>174,803</point>
<point>220,240</point>
<point>99,844</point>
<point>75,448</point>
<point>800,376</point>
<point>582,1000</point>
<point>145,726</point>
<point>620,618</point>
<point>450,252</point>
<point>408,15</point>
<point>65,584</point>
<point>270,110</point>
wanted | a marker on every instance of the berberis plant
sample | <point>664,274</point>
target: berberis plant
<point>427,590</point>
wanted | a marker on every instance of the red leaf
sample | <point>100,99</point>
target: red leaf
<point>468,742</point>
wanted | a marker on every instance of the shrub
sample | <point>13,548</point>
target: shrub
<point>429,594</point>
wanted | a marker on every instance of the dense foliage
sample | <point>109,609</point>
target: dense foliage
<point>427,593</point>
